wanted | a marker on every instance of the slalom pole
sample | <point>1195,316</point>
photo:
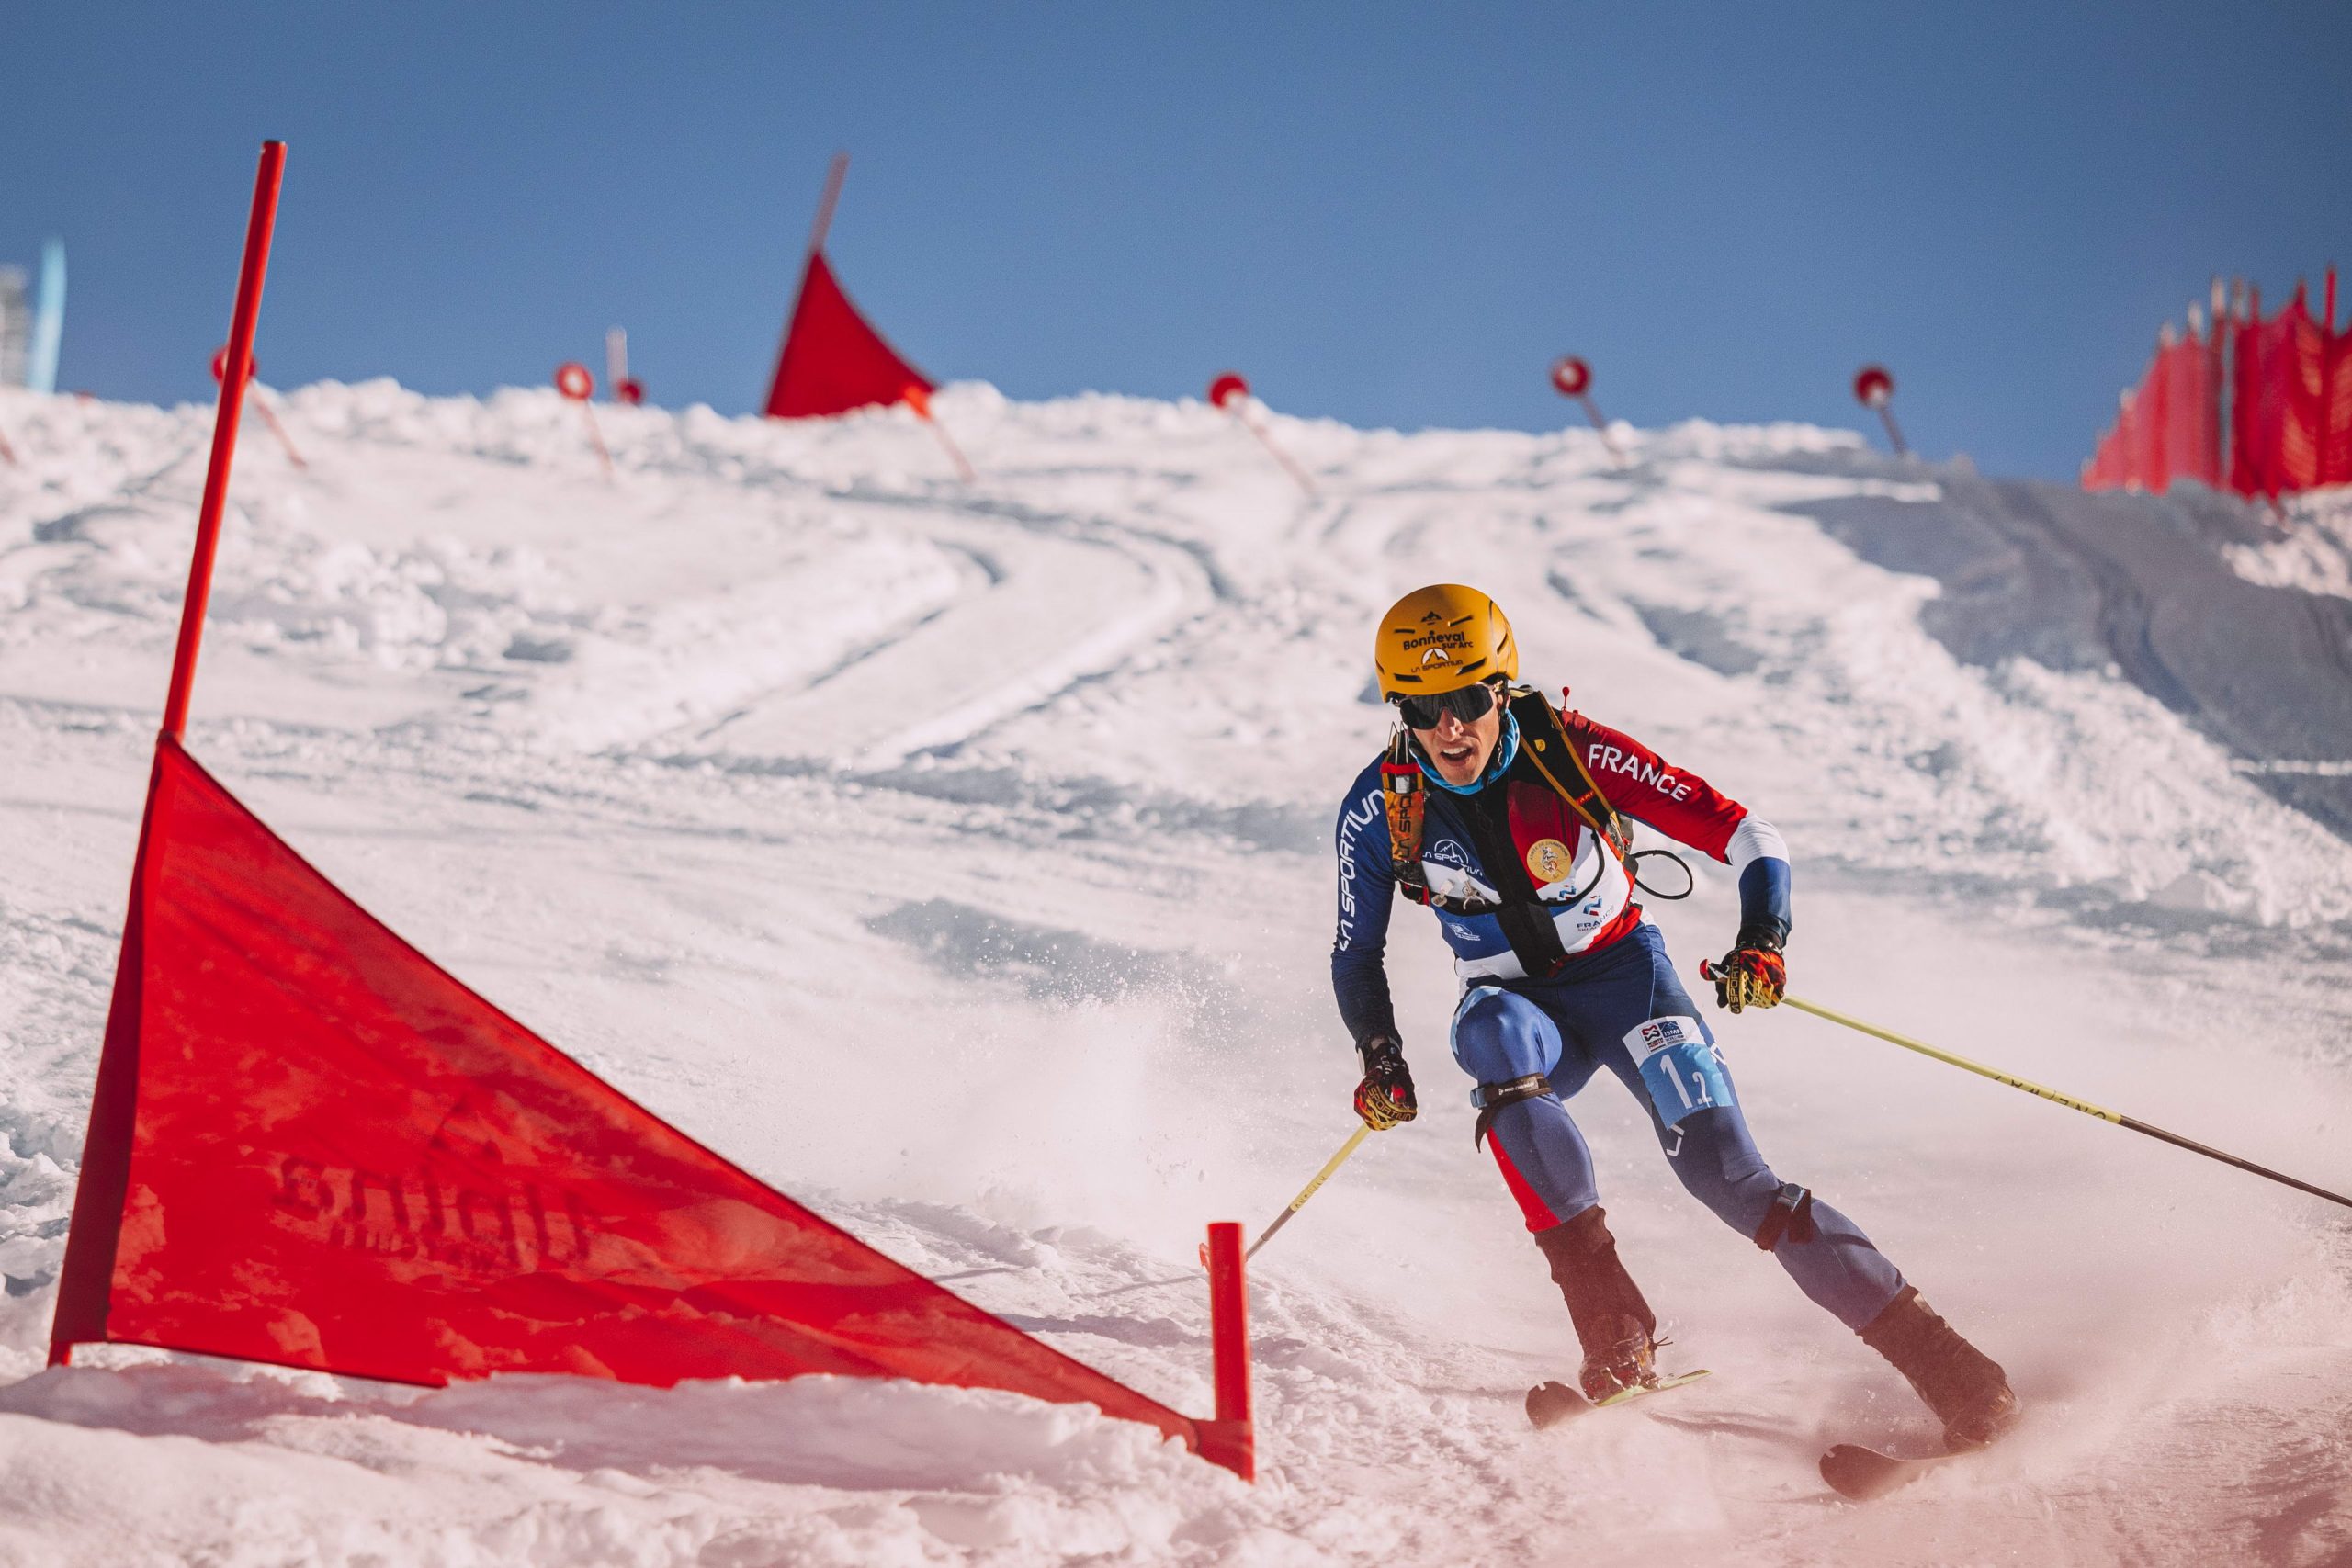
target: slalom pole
<point>1322,1175</point>
<point>261,402</point>
<point>236,369</point>
<point>2132,1123</point>
<point>917,400</point>
<point>1230,392</point>
<point>269,418</point>
<point>1572,378</point>
<point>1266,439</point>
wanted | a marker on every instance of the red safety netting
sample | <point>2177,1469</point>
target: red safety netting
<point>834,360</point>
<point>2168,427</point>
<point>312,1147</point>
<point>2288,382</point>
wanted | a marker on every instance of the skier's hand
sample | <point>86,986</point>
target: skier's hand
<point>1385,1098</point>
<point>1752,975</point>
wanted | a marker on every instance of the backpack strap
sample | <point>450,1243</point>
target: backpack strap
<point>1402,790</point>
<point>1545,747</point>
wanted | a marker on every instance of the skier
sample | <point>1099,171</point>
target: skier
<point>1519,846</point>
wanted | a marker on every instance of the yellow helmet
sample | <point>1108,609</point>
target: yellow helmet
<point>1441,638</point>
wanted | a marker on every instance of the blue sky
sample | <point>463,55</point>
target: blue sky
<point>1391,215</point>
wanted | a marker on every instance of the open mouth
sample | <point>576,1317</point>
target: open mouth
<point>1457,756</point>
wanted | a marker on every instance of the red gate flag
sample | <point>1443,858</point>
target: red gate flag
<point>309,1145</point>
<point>313,1148</point>
<point>834,360</point>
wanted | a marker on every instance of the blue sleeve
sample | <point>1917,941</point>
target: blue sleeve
<point>1367,889</point>
<point>1764,901</point>
<point>1760,859</point>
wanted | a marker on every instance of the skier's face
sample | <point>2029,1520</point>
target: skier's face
<point>1462,751</point>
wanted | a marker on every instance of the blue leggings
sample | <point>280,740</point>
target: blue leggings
<point>1624,1008</point>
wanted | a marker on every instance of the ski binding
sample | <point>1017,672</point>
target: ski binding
<point>1550,1404</point>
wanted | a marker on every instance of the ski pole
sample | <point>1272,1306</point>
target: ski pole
<point>1707,972</point>
<point>1322,1175</point>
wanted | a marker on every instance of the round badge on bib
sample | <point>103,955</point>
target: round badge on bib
<point>1548,861</point>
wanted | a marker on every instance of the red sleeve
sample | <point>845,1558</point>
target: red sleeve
<point>1641,784</point>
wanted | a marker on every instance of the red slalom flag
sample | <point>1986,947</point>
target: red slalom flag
<point>834,360</point>
<point>313,1148</point>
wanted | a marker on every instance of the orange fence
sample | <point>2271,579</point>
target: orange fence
<point>2262,407</point>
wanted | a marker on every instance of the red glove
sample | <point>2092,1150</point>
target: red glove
<point>1385,1098</point>
<point>1750,976</point>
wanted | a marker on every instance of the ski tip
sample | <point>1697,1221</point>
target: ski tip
<point>1549,1403</point>
<point>1861,1474</point>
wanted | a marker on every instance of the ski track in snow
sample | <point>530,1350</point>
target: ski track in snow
<point>956,860</point>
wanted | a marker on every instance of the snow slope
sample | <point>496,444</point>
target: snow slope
<point>955,858</point>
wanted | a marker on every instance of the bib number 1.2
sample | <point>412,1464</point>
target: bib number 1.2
<point>1680,1066</point>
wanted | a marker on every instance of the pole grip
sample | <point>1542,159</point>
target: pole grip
<point>1230,1438</point>
<point>235,371</point>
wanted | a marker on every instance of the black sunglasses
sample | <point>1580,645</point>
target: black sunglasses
<point>1469,705</point>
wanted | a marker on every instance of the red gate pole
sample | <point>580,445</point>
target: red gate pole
<point>234,373</point>
<point>2323,464</point>
<point>1230,1439</point>
<point>834,174</point>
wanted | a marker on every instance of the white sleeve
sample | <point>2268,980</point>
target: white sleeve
<point>1755,840</point>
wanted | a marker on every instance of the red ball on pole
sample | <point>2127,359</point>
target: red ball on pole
<point>572,378</point>
<point>1572,378</point>
<point>1231,393</point>
<point>261,405</point>
<point>631,391</point>
<point>1874,388</point>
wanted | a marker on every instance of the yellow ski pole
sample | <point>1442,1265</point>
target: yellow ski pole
<point>1322,1175</point>
<point>1707,972</point>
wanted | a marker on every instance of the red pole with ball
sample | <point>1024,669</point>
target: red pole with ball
<point>572,379</point>
<point>1874,388</point>
<point>1231,393</point>
<point>261,403</point>
<point>1572,378</point>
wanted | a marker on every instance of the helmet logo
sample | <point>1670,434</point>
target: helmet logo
<point>1436,655</point>
<point>1432,615</point>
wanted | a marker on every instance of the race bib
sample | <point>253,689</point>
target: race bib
<point>1683,1070</point>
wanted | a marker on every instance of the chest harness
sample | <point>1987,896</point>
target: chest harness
<point>1545,755</point>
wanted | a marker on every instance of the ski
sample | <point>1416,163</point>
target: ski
<point>1861,1473</point>
<point>1550,1404</point>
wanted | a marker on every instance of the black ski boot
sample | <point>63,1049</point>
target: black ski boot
<point>1615,1324</point>
<point>1963,1386</point>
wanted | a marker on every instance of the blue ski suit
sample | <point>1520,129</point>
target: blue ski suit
<point>1579,980</point>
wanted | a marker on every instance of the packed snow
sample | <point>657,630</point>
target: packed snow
<point>955,858</point>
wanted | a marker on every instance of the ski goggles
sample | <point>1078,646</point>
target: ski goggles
<point>1468,704</point>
